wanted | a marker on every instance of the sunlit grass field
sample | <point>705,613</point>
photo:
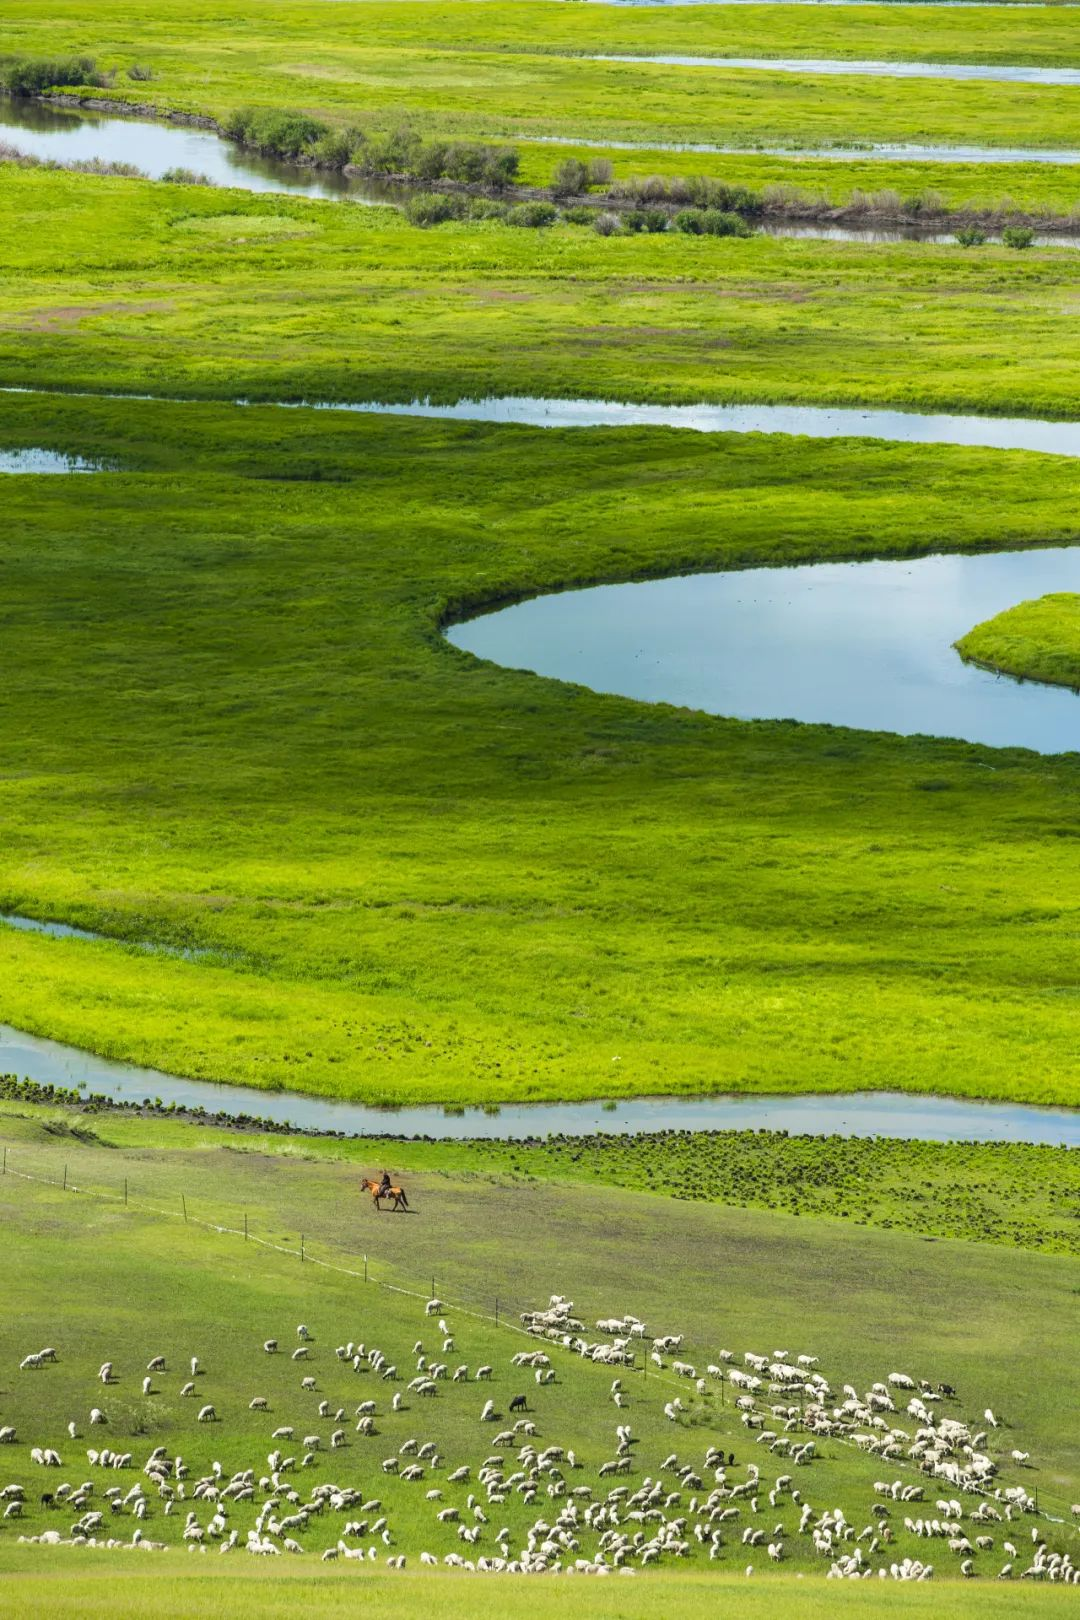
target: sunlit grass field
<point>104,1281</point>
<point>421,877</point>
<point>1012,1193</point>
<point>523,69</point>
<point>1037,641</point>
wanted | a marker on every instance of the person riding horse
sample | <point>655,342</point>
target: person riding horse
<point>384,1185</point>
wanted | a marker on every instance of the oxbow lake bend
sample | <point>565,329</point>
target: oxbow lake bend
<point>934,1119</point>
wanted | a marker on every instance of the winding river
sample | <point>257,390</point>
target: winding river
<point>932,1119</point>
<point>862,644</point>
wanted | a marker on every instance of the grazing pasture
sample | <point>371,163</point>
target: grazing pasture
<point>191,1366</point>
<point>978,1316</point>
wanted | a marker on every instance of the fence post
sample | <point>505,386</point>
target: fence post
<point>301,1248</point>
<point>65,1178</point>
<point>183,1201</point>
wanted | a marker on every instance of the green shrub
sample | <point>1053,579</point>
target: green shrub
<point>570,179</point>
<point>434,208</point>
<point>141,75</point>
<point>186,177</point>
<point>721,222</point>
<point>278,134</point>
<point>688,220</point>
<point>533,215</point>
<point>29,76</point>
<point>581,215</point>
<point>607,224</point>
<point>1017,236</point>
<point>335,149</point>
<point>501,167</point>
<point>599,171</point>
<point>971,236</point>
<point>487,208</point>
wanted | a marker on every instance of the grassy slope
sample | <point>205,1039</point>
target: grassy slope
<point>1038,641</point>
<point>476,68</point>
<point>103,1282</point>
<point>1011,1193</point>
<point>435,836</point>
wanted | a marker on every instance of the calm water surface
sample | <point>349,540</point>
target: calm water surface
<point>50,132</point>
<point>850,644</point>
<point>1061,76</point>
<point>44,461</point>
<point>932,1119</point>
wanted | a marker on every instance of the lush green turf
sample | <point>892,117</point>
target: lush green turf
<point>99,1281</point>
<point>38,1585</point>
<point>1038,641</point>
<point>488,69</point>
<point>1011,1193</point>
<point>188,290</point>
<point>465,884</point>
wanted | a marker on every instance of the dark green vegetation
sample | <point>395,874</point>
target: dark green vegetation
<point>1037,641</point>
<point>1013,1193</point>
<point>465,884</point>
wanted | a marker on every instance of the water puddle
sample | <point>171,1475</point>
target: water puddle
<point>59,930</point>
<point>876,235</point>
<point>965,71</point>
<point>912,1118</point>
<point>897,152</point>
<point>68,137</point>
<point>44,461</point>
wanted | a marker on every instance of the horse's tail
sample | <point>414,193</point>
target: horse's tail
<point>404,1200</point>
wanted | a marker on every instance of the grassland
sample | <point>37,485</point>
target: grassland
<point>38,1585</point>
<point>216,294</point>
<point>489,69</point>
<point>1038,641</point>
<point>1013,1193</point>
<point>103,1281</point>
<point>435,836</point>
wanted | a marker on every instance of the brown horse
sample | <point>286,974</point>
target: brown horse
<point>377,1191</point>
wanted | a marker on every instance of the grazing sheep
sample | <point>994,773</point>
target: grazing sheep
<point>270,1346</point>
<point>207,1414</point>
<point>97,1415</point>
<point>258,1403</point>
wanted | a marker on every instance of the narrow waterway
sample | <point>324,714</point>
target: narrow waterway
<point>968,72</point>
<point>892,1114</point>
<point>54,133</point>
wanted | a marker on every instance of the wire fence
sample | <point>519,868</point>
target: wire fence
<point>505,1307</point>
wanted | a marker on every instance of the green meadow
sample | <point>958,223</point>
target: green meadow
<point>1038,641</point>
<point>524,70</point>
<point>466,884</point>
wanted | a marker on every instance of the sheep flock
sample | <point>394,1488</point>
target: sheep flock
<point>730,1463</point>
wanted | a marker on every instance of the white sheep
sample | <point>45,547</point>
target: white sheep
<point>207,1414</point>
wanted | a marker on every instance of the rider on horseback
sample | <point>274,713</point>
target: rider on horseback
<point>384,1185</point>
